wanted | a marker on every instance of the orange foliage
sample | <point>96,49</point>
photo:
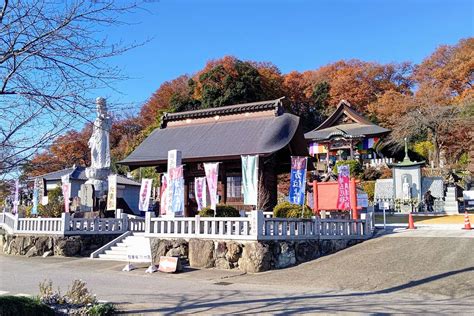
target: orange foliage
<point>447,74</point>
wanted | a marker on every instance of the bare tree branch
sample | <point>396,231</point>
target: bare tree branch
<point>52,55</point>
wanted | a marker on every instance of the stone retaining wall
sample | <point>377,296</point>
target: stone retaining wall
<point>246,256</point>
<point>68,246</point>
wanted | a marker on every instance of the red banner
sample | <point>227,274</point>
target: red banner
<point>343,196</point>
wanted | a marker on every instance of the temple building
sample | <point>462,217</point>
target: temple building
<point>344,135</point>
<point>222,135</point>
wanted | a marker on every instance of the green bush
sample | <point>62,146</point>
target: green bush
<point>355,167</point>
<point>423,149</point>
<point>369,188</point>
<point>106,309</point>
<point>221,211</point>
<point>25,306</point>
<point>55,205</point>
<point>289,210</point>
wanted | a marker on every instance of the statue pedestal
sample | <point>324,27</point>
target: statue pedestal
<point>98,178</point>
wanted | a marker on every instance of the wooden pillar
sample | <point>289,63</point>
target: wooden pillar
<point>224,183</point>
<point>315,198</point>
<point>353,193</point>
<point>187,211</point>
<point>268,185</point>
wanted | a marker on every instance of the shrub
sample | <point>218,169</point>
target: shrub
<point>355,167</point>
<point>221,211</point>
<point>55,205</point>
<point>25,306</point>
<point>289,210</point>
<point>369,188</point>
<point>423,149</point>
<point>371,173</point>
<point>79,294</point>
<point>386,173</point>
<point>106,309</point>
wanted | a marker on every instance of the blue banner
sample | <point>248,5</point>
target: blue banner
<point>298,180</point>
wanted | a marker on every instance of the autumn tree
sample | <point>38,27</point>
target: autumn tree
<point>231,81</point>
<point>65,151</point>
<point>434,121</point>
<point>447,75</point>
<point>51,55</point>
<point>361,83</point>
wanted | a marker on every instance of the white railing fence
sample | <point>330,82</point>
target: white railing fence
<point>258,227</point>
<point>253,227</point>
<point>66,225</point>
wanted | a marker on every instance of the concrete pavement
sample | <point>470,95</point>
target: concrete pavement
<point>384,275</point>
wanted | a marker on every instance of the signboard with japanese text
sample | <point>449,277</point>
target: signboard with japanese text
<point>343,196</point>
<point>298,180</point>
<point>112,194</point>
<point>145,193</point>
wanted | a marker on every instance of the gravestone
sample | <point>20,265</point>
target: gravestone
<point>86,197</point>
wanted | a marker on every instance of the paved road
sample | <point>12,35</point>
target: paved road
<point>407,274</point>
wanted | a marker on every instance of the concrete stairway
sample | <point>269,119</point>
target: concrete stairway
<point>119,250</point>
<point>451,204</point>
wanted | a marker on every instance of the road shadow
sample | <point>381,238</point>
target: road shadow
<point>374,302</point>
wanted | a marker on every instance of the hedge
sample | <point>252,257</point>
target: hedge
<point>289,210</point>
<point>221,211</point>
<point>25,306</point>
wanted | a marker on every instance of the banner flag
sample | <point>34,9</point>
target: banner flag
<point>112,194</point>
<point>316,148</point>
<point>16,197</point>
<point>34,209</point>
<point>212,170</point>
<point>164,194</point>
<point>250,179</point>
<point>343,196</point>
<point>145,193</point>
<point>66,188</point>
<point>200,192</point>
<point>176,186</point>
<point>298,180</point>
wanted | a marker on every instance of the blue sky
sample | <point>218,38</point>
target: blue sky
<point>294,35</point>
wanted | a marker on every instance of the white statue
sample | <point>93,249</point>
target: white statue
<point>406,189</point>
<point>99,141</point>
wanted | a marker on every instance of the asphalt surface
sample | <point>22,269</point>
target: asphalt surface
<point>407,274</point>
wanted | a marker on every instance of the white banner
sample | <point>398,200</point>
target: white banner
<point>250,179</point>
<point>112,194</point>
<point>212,171</point>
<point>200,191</point>
<point>164,194</point>
<point>145,193</point>
<point>66,188</point>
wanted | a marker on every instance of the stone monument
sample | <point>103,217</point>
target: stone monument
<point>99,144</point>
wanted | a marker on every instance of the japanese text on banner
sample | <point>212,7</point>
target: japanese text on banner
<point>298,180</point>
<point>343,196</point>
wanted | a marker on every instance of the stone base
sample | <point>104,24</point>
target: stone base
<point>68,246</point>
<point>247,256</point>
<point>99,179</point>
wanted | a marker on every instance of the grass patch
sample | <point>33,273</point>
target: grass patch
<point>25,306</point>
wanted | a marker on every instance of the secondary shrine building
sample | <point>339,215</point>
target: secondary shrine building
<point>344,135</point>
<point>222,135</point>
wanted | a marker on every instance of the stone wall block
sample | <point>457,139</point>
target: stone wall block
<point>201,253</point>
<point>256,257</point>
<point>234,252</point>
